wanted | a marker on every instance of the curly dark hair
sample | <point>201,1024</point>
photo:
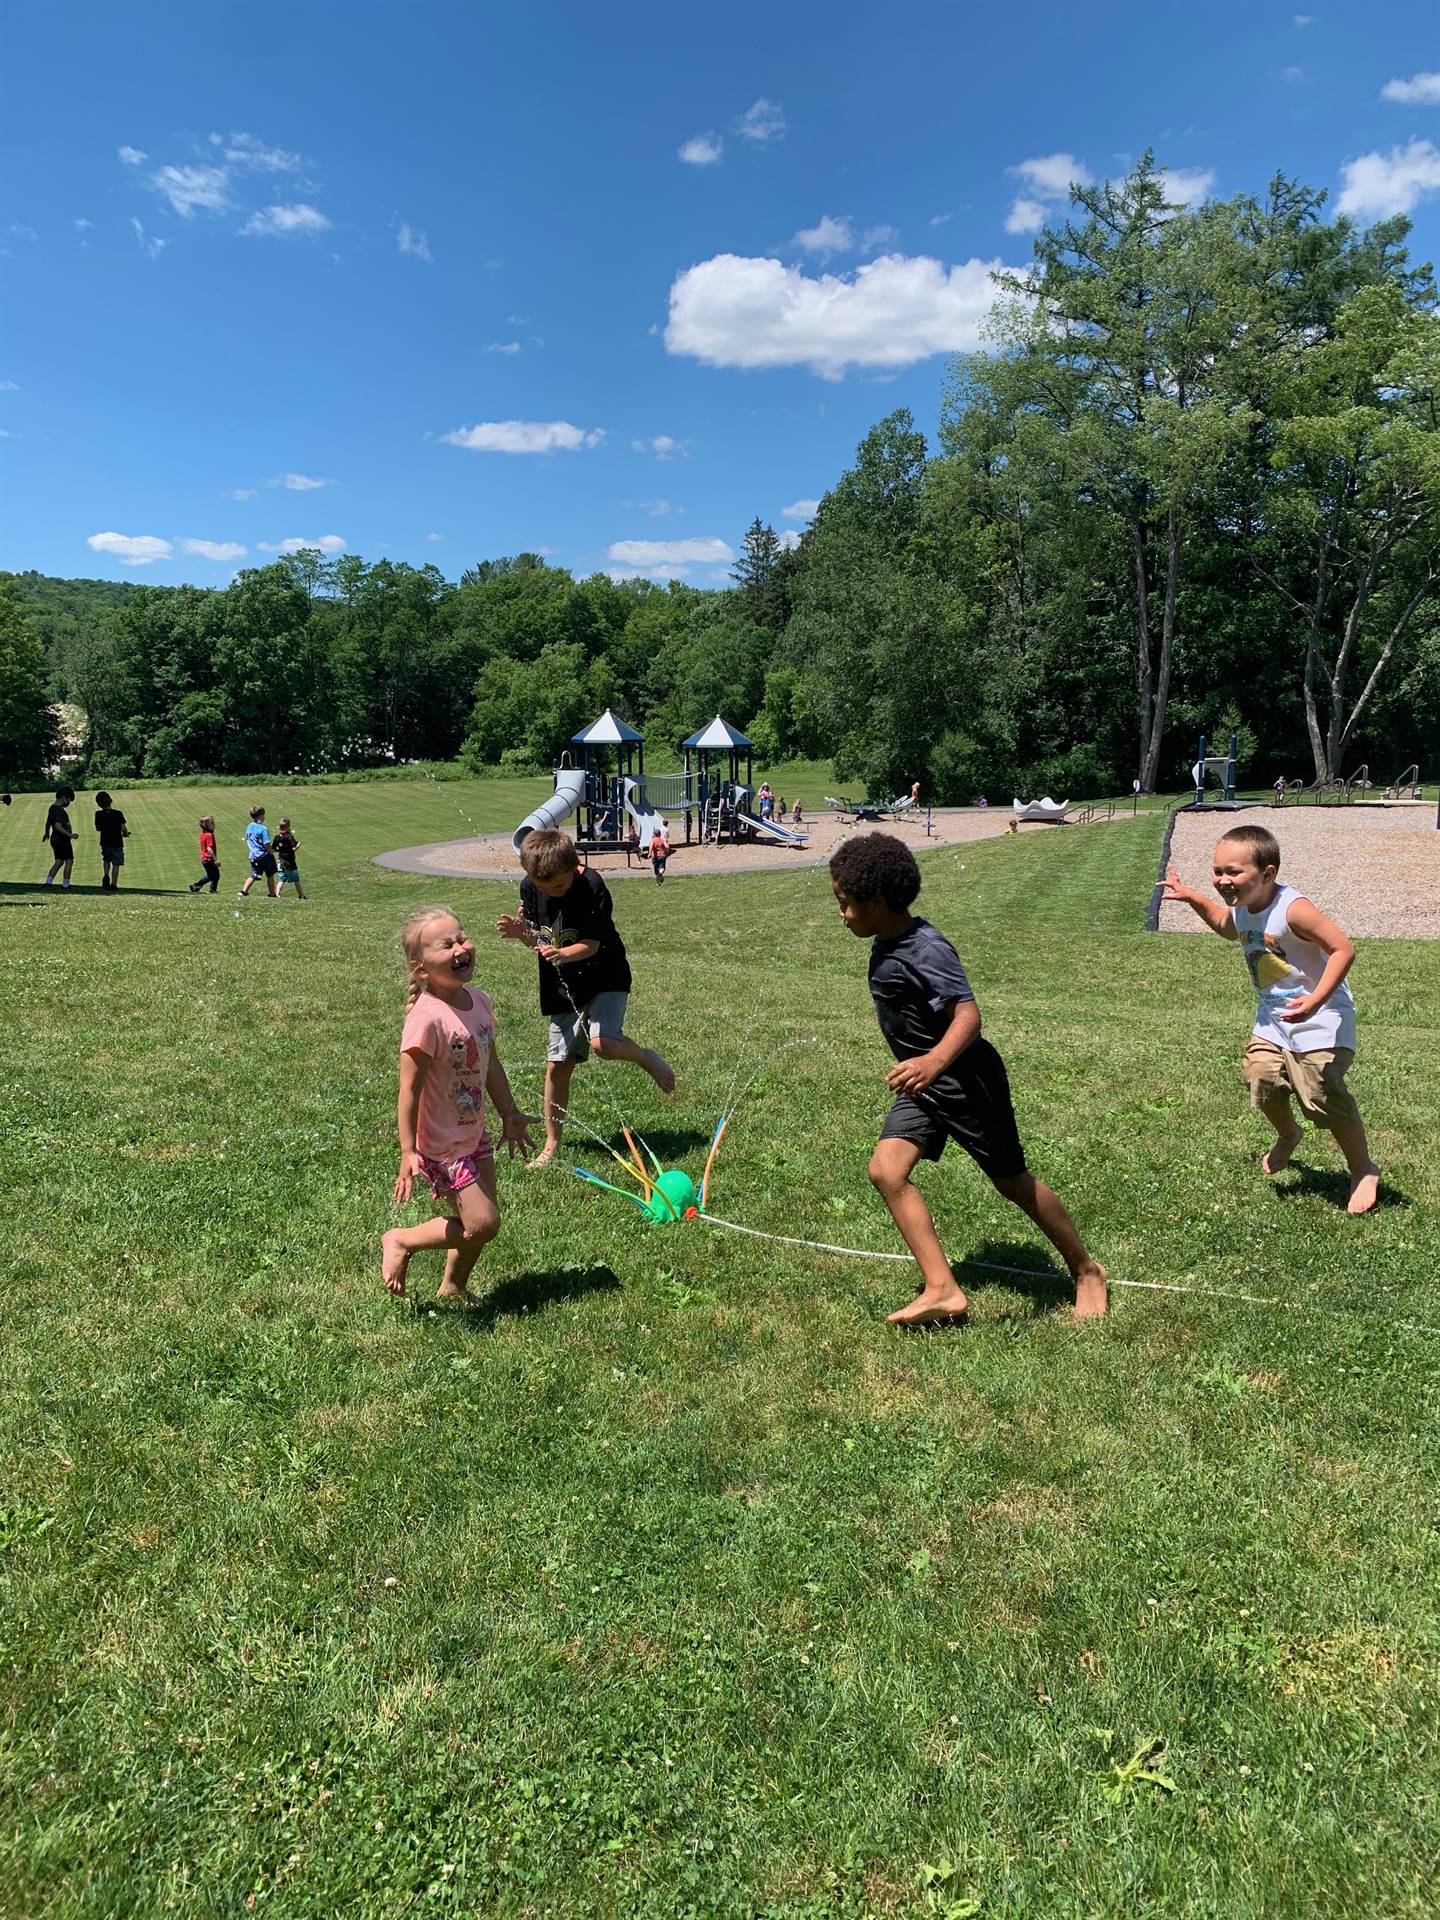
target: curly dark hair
<point>877,866</point>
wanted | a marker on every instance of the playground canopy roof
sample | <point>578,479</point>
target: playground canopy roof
<point>607,731</point>
<point>719,733</point>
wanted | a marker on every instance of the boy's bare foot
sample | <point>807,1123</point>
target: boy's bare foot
<point>1364,1191</point>
<point>660,1071</point>
<point>1092,1296</point>
<point>1278,1158</point>
<point>393,1262</point>
<point>930,1310</point>
<point>460,1295</point>
<point>544,1156</point>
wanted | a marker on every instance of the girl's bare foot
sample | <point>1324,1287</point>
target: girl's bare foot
<point>393,1261</point>
<point>1364,1190</point>
<point>660,1071</point>
<point>931,1309</point>
<point>1278,1158</point>
<point>459,1295</point>
<point>544,1157</point>
<point>1092,1296</point>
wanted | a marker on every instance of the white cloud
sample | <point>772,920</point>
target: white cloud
<point>703,150</point>
<point>242,493</point>
<point>244,150</point>
<point>503,346</point>
<point>1420,90</point>
<point>298,482</point>
<point>132,156</point>
<point>409,241</point>
<point>1046,180</point>
<point>187,188</point>
<point>677,554</point>
<point>130,549</point>
<point>732,311</point>
<point>1379,184</point>
<point>761,121</point>
<point>1294,76</point>
<point>214,549</point>
<point>664,446</point>
<point>830,234</point>
<point>800,510</point>
<point>81,224</point>
<point>621,574</point>
<point>939,219</point>
<point>1187,186</point>
<point>299,218</point>
<point>150,246</point>
<point>22,232</point>
<point>9,386</point>
<point>524,436</point>
<point>879,239</point>
<point>327,543</point>
<point>1304,19</point>
<point>1025,216</point>
<point>434,536</point>
<point>789,540</point>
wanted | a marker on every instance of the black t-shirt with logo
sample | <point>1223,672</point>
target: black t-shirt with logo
<point>283,846</point>
<point>586,913</point>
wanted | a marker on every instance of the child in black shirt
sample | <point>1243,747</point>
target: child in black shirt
<point>566,916</point>
<point>113,832</point>
<point>61,835</point>
<point>949,1083</point>
<point>286,849</point>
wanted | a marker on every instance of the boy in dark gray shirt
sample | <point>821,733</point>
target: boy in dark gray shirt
<point>949,1082</point>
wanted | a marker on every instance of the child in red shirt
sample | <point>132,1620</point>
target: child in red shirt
<point>208,858</point>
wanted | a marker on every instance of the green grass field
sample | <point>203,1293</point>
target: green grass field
<point>672,1582</point>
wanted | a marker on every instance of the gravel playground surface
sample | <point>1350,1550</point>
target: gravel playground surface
<point>1374,870</point>
<point>491,857</point>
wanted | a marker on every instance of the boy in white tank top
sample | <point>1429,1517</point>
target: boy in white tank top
<point>1304,1036</point>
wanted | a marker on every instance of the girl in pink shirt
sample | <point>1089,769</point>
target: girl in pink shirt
<point>448,1064</point>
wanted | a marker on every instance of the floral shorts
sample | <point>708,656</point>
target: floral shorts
<point>450,1176</point>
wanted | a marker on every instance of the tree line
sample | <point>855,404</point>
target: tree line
<point>1192,484</point>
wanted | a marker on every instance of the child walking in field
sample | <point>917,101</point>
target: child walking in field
<point>286,849</point>
<point>61,835</point>
<point>262,860</point>
<point>448,1065</point>
<point>1303,1040</point>
<point>949,1082</point>
<point>659,853</point>
<point>567,917</point>
<point>113,832</point>
<point>209,859</point>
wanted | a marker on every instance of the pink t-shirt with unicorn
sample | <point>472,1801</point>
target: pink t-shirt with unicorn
<point>457,1041</point>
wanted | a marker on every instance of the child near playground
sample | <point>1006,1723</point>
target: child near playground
<point>113,832</point>
<point>286,849</point>
<point>262,860</point>
<point>1303,1040</point>
<point>448,1064</point>
<point>949,1082</point>
<point>61,835</point>
<point>568,918</point>
<point>209,859</point>
<point>659,853</point>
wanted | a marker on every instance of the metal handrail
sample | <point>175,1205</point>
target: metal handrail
<point>1405,786</point>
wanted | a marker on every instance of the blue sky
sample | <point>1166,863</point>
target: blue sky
<point>451,281</point>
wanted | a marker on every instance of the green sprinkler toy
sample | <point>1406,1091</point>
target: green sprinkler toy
<point>669,1193</point>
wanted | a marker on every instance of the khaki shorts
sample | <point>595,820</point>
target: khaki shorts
<point>1317,1081</point>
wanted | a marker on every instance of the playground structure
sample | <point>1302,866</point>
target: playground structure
<point>869,812</point>
<point>1223,768</point>
<point>611,786</point>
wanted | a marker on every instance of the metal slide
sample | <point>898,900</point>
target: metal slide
<point>568,795</point>
<point>647,820</point>
<point>776,832</point>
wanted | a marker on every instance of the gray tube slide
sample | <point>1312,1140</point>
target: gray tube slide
<point>568,794</point>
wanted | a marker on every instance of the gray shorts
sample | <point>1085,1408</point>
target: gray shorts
<point>571,1032</point>
<point>112,856</point>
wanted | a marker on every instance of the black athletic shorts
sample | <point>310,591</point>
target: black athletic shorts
<point>972,1108</point>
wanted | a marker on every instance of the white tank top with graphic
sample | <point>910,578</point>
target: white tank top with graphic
<point>1283,967</point>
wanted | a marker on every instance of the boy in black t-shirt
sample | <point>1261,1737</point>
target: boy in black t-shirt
<point>61,835</point>
<point>950,1084</point>
<point>113,832</point>
<point>567,918</point>
<point>286,849</point>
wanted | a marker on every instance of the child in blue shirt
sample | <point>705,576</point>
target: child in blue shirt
<point>262,860</point>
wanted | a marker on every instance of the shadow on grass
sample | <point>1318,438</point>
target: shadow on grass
<point>37,891</point>
<point>1048,1289</point>
<point>1327,1183</point>
<point>527,1293</point>
<point>668,1144</point>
